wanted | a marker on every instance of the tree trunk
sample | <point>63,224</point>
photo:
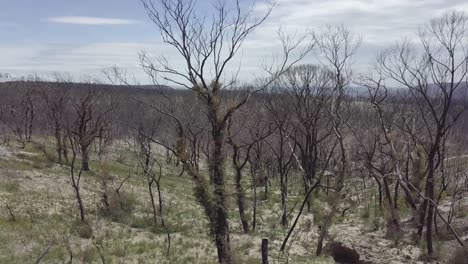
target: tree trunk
<point>80,201</point>
<point>241,201</point>
<point>221,224</point>
<point>160,199</point>
<point>153,205</point>
<point>430,210</point>
<point>58,138</point>
<point>422,216</point>
<point>254,210</point>
<point>323,232</point>
<point>85,164</point>
<point>265,251</point>
<point>284,197</point>
<point>306,189</point>
<point>64,148</point>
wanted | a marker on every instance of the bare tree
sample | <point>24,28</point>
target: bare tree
<point>387,154</point>
<point>19,114</point>
<point>432,80</point>
<point>207,49</point>
<point>90,118</point>
<point>249,130</point>
<point>55,97</point>
<point>337,46</point>
<point>280,143</point>
<point>308,89</point>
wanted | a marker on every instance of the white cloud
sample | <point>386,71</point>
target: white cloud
<point>80,59</point>
<point>84,20</point>
<point>379,23</point>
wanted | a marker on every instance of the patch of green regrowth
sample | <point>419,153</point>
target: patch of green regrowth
<point>34,147</point>
<point>11,186</point>
<point>37,161</point>
<point>120,208</point>
<point>461,212</point>
<point>404,207</point>
<point>82,230</point>
<point>372,215</point>
<point>119,250</point>
<point>365,212</point>
<point>22,165</point>
<point>88,255</point>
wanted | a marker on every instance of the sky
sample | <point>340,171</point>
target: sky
<point>84,37</point>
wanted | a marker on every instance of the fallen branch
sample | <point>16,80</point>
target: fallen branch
<point>49,245</point>
<point>10,212</point>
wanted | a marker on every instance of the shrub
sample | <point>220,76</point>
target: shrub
<point>88,255</point>
<point>83,230</point>
<point>51,156</point>
<point>365,214</point>
<point>12,186</point>
<point>121,207</point>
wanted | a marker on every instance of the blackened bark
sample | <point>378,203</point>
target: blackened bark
<point>265,251</point>
<point>85,157</point>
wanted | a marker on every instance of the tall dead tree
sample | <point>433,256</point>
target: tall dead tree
<point>207,48</point>
<point>19,114</point>
<point>90,116</point>
<point>384,154</point>
<point>152,168</point>
<point>337,45</point>
<point>432,79</point>
<point>248,131</point>
<point>55,97</point>
<point>308,92</point>
<point>280,143</point>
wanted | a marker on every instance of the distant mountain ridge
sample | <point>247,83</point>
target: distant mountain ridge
<point>81,84</point>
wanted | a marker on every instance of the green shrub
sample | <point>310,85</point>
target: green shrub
<point>119,250</point>
<point>51,156</point>
<point>142,222</point>
<point>88,255</point>
<point>120,207</point>
<point>83,230</point>
<point>365,213</point>
<point>11,186</point>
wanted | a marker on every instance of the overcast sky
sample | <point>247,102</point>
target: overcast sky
<point>83,37</point>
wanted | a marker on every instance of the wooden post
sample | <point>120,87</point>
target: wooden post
<point>265,251</point>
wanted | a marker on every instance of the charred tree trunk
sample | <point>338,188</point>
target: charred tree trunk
<point>253,173</point>
<point>325,225</point>
<point>153,204</point>
<point>238,166</point>
<point>85,157</point>
<point>76,187</point>
<point>221,225</point>
<point>265,251</point>
<point>241,201</point>
<point>58,138</point>
<point>64,148</point>
<point>284,198</point>
<point>430,209</point>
